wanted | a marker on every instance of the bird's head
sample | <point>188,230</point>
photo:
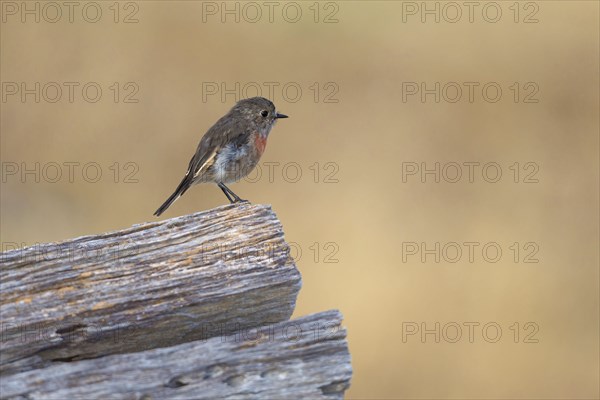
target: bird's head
<point>258,110</point>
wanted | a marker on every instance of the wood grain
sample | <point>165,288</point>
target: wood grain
<point>153,285</point>
<point>305,358</point>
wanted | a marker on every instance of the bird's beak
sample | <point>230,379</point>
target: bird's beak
<point>281,116</point>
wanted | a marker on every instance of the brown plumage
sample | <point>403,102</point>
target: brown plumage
<point>230,149</point>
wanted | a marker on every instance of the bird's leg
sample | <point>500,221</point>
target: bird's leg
<point>236,198</point>
<point>224,189</point>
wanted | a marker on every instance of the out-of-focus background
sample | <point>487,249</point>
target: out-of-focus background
<point>437,177</point>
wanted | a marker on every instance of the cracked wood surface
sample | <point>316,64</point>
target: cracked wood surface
<point>153,285</point>
<point>299,359</point>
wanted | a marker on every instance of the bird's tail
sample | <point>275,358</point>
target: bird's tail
<point>183,186</point>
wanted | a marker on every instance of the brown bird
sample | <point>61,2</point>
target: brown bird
<point>230,149</point>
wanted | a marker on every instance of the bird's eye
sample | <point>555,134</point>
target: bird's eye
<point>264,113</point>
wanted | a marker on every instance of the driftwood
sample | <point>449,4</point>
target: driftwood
<point>300,359</point>
<point>152,285</point>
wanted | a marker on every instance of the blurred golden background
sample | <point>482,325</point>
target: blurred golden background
<point>345,172</point>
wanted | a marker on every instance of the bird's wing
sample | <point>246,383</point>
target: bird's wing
<point>224,132</point>
<point>221,134</point>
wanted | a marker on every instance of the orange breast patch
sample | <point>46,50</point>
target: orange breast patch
<point>260,142</point>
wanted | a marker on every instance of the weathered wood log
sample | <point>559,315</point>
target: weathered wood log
<point>152,285</point>
<point>299,359</point>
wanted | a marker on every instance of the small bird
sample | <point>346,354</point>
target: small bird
<point>230,149</point>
